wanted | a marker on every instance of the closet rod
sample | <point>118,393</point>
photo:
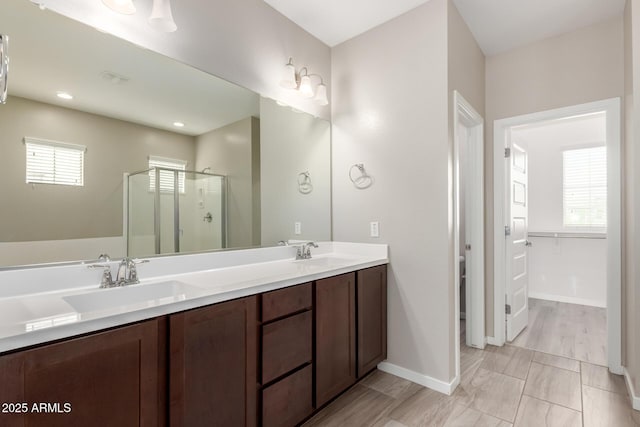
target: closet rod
<point>567,235</point>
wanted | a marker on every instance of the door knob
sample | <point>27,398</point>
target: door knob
<point>528,243</point>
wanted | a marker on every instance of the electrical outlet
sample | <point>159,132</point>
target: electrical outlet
<point>297,228</point>
<point>374,229</point>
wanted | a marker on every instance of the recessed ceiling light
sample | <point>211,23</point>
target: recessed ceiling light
<point>178,124</point>
<point>64,95</point>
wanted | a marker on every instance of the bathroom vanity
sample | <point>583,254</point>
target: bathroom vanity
<point>266,343</point>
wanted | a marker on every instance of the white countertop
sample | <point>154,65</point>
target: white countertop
<point>34,309</point>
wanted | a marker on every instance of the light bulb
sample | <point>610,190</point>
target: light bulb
<point>321,95</point>
<point>305,87</point>
<point>289,76</point>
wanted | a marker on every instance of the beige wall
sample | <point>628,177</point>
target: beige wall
<point>582,66</point>
<point>293,142</point>
<point>466,62</point>
<point>390,112</point>
<point>631,156</point>
<point>230,150</point>
<point>53,212</point>
<point>466,74</point>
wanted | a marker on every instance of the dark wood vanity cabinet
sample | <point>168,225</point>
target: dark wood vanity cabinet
<point>112,378</point>
<point>335,312</point>
<point>270,359</point>
<point>351,329</point>
<point>287,356</point>
<point>213,365</point>
<point>371,295</point>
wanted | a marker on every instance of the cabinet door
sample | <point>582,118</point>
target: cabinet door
<point>372,317</point>
<point>335,336</point>
<point>213,361</point>
<point>111,378</point>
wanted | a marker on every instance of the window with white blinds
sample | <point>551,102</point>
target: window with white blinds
<point>53,162</point>
<point>167,178</point>
<point>585,187</point>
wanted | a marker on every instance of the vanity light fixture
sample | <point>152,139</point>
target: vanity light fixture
<point>305,87</point>
<point>161,18</point>
<point>289,76</point>
<point>125,7</point>
<point>301,81</point>
<point>64,95</point>
<point>178,124</point>
<point>321,95</point>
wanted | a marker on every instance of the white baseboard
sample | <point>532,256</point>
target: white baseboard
<point>635,399</point>
<point>423,380</point>
<point>570,300</point>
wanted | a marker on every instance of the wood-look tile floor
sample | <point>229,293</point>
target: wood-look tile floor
<point>499,387</point>
<point>570,330</point>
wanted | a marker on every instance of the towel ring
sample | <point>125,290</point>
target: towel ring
<point>304,183</point>
<point>362,181</point>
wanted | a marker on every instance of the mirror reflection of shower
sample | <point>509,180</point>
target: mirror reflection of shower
<point>174,211</point>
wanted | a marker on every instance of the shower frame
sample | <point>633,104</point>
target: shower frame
<point>176,205</point>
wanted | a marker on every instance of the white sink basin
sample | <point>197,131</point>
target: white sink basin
<point>147,295</point>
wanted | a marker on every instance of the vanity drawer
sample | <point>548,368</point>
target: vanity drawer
<point>286,301</point>
<point>288,402</point>
<point>286,345</point>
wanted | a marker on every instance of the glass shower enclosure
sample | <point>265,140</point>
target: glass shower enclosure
<point>174,211</point>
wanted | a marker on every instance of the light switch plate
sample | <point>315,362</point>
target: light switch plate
<point>297,228</point>
<point>374,229</point>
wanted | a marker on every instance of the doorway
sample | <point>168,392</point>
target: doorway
<point>513,243</point>
<point>468,230</point>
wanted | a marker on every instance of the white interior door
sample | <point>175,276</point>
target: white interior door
<point>474,238</point>
<point>517,278</point>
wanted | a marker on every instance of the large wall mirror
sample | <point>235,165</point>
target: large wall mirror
<point>111,148</point>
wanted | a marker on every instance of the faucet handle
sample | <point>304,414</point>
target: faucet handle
<point>107,279</point>
<point>133,271</point>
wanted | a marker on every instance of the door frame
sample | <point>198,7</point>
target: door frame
<point>464,114</point>
<point>614,218</point>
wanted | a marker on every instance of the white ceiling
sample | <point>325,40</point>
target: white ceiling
<point>51,53</point>
<point>497,25</point>
<point>501,25</point>
<point>334,21</point>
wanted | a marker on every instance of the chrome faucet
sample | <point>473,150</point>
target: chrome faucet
<point>127,272</point>
<point>304,251</point>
